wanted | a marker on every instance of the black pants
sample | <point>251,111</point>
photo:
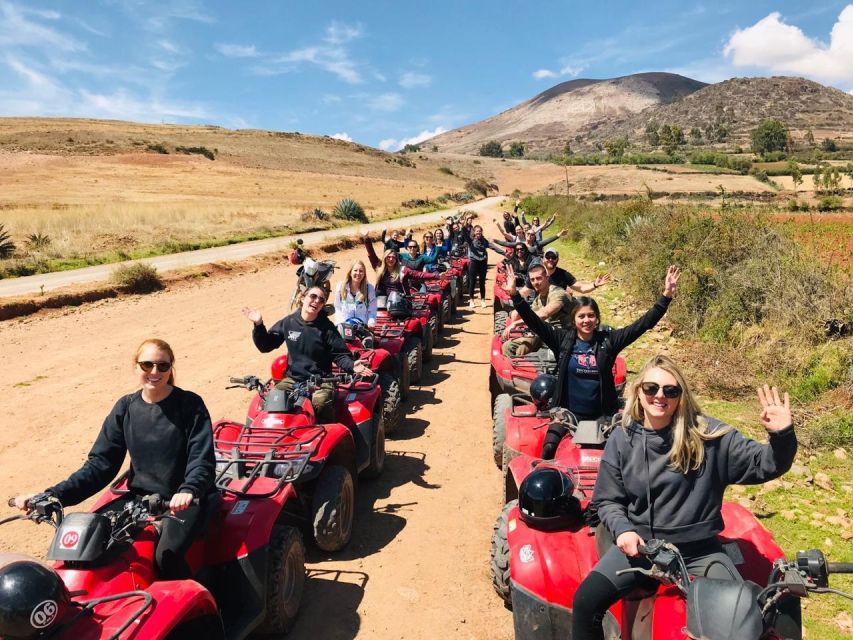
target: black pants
<point>176,537</point>
<point>602,588</point>
<point>477,270</point>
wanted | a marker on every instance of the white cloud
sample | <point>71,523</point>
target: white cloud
<point>125,106</point>
<point>342,136</point>
<point>340,33</point>
<point>410,80</point>
<point>572,70</point>
<point>392,144</point>
<point>237,50</point>
<point>333,59</point>
<point>783,48</point>
<point>330,98</point>
<point>17,30</point>
<point>540,74</point>
<point>385,102</point>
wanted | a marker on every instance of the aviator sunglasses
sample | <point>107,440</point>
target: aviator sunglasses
<point>669,390</point>
<point>314,296</point>
<point>147,366</point>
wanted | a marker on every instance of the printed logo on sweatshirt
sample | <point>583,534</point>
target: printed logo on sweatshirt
<point>293,335</point>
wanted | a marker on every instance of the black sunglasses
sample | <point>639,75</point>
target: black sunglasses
<point>669,390</point>
<point>314,296</point>
<point>147,366</point>
<point>413,246</point>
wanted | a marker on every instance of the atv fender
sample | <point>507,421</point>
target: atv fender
<point>518,469</point>
<point>176,602</point>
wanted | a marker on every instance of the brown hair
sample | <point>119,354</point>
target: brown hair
<point>163,346</point>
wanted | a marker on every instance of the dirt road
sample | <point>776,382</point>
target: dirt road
<point>417,565</point>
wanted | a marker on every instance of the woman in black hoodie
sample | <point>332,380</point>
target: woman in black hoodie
<point>663,475</point>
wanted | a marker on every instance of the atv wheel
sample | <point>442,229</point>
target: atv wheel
<point>502,403</point>
<point>446,311</point>
<point>377,448</point>
<point>500,556</point>
<point>405,376</point>
<point>429,339</point>
<point>392,407</point>
<point>414,357</point>
<point>333,507</point>
<point>501,318</point>
<point>285,580</point>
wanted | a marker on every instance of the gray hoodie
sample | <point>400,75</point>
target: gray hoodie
<point>637,489</point>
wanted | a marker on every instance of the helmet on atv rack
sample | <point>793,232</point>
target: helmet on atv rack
<point>542,390</point>
<point>32,597</point>
<point>399,306</point>
<point>546,500</point>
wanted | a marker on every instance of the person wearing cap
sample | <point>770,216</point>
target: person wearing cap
<point>563,279</point>
<point>551,304</point>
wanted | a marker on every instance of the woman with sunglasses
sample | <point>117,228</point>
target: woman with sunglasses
<point>313,344</point>
<point>663,475</point>
<point>432,253</point>
<point>586,354</point>
<point>355,297</point>
<point>391,273</point>
<point>168,434</point>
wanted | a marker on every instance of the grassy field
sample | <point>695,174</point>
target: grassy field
<point>803,509</point>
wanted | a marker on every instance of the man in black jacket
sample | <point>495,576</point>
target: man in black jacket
<point>313,344</point>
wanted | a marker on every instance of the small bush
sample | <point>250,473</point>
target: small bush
<point>38,241</point>
<point>7,247</point>
<point>158,148</point>
<point>492,149</point>
<point>831,431</point>
<point>759,175</point>
<point>138,278</point>
<point>315,215</point>
<point>830,203</point>
<point>446,170</point>
<point>774,156</point>
<point>481,186</point>
<point>411,148</point>
<point>202,151</point>
<point>349,209</point>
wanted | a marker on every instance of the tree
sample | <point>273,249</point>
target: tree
<point>849,170</point>
<point>667,139</point>
<point>677,134</point>
<point>615,147</point>
<point>809,138</point>
<point>796,175</point>
<point>567,150</point>
<point>652,134</point>
<point>695,135</point>
<point>770,135</point>
<point>411,148</point>
<point>829,145</point>
<point>492,149</point>
<point>831,178</point>
<point>516,150</point>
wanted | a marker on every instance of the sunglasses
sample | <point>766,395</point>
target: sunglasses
<point>147,366</point>
<point>670,391</point>
<point>551,257</point>
<point>413,246</point>
<point>314,296</point>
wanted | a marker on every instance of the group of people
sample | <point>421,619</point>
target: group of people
<point>662,475</point>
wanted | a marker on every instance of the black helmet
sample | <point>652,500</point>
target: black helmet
<point>542,390</point>
<point>546,500</point>
<point>32,597</point>
<point>399,306</point>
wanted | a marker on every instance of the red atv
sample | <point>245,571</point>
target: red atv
<point>503,301</point>
<point>362,343</point>
<point>400,314</point>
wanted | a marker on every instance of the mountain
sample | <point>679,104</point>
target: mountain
<point>547,121</point>
<point>740,104</point>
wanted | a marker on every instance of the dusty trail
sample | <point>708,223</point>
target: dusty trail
<point>417,565</point>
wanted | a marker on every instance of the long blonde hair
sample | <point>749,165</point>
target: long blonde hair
<point>395,272</point>
<point>690,428</point>
<point>361,296</point>
<point>163,346</point>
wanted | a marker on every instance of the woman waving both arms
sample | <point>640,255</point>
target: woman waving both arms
<point>585,353</point>
<point>663,475</point>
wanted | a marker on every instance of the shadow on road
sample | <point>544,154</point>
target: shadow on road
<point>330,605</point>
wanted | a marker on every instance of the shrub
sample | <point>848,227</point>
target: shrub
<point>38,241</point>
<point>315,214</point>
<point>481,186</point>
<point>492,149</point>
<point>774,156</point>
<point>411,148</point>
<point>349,209</point>
<point>202,151</point>
<point>770,135</point>
<point>158,148</point>
<point>830,203</point>
<point>739,164</point>
<point>446,170</point>
<point>138,278</point>
<point>7,247</point>
<point>516,150</point>
<point>829,145</point>
<point>759,175</point>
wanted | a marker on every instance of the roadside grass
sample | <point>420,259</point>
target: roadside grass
<point>794,508</point>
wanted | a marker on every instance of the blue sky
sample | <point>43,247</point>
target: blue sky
<point>384,73</point>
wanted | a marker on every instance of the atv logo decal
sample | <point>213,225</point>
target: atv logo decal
<point>293,335</point>
<point>526,554</point>
<point>511,525</point>
<point>240,507</point>
<point>70,539</point>
<point>44,614</point>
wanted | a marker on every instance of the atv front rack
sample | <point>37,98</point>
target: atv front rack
<point>245,454</point>
<point>87,609</point>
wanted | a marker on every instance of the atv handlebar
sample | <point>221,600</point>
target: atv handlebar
<point>839,567</point>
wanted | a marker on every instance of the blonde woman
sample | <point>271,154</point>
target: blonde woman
<point>391,274</point>
<point>355,297</point>
<point>663,475</point>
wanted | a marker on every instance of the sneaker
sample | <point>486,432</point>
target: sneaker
<point>483,304</point>
<point>471,304</point>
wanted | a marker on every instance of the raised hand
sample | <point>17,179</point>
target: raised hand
<point>509,286</point>
<point>253,314</point>
<point>671,281</point>
<point>600,281</point>
<point>775,411</point>
<point>562,233</point>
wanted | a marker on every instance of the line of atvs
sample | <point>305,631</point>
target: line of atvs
<point>282,478</point>
<point>547,537</point>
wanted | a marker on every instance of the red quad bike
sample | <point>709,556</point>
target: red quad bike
<point>353,445</point>
<point>248,568</point>
<point>451,272</point>
<point>503,301</point>
<point>459,261</point>
<point>362,343</point>
<point>412,322</point>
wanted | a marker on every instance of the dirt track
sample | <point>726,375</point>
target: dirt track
<point>417,565</point>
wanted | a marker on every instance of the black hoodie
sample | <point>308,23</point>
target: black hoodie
<point>638,490</point>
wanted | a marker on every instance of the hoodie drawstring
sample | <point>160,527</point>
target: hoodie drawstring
<point>649,487</point>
